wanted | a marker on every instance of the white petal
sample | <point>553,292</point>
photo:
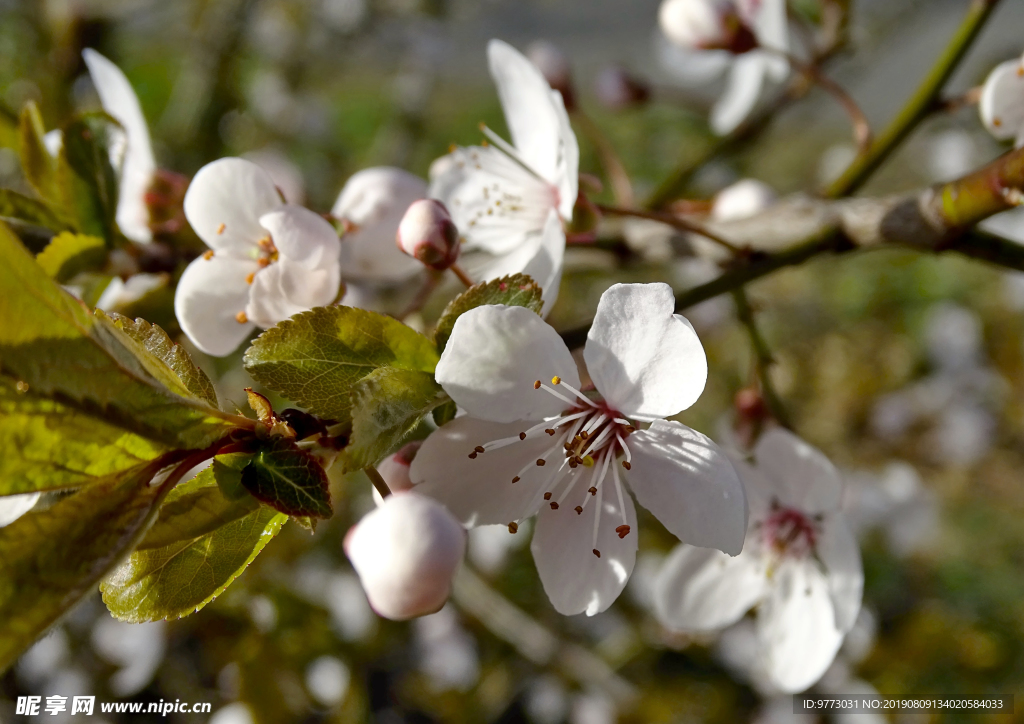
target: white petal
<point>568,172</point>
<point>771,26</point>
<point>493,358</point>
<point>302,236</point>
<point>796,626</point>
<point>742,92</point>
<point>406,552</point>
<point>375,199</point>
<point>703,589</point>
<point>533,118</point>
<point>286,175</point>
<point>209,296</point>
<point>575,579</point>
<point>802,476</point>
<point>225,201</point>
<point>119,100</point>
<point>838,551</point>
<point>540,257</point>
<point>480,491</point>
<point>286,288</point>
<point>1002,100</point>
<point>13,507</point>
<point>645,360</point>
<point>689,484</point>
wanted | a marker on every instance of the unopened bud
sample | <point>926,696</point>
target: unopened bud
<point>554,66</point>
<point>617,90</point>
<point>742,200</point>
<point>406,553</point>
<point>705,25</point>
<point>395,470</point>
<point>428,233</point>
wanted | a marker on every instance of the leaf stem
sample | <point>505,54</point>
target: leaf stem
<point>462,275</point>
<point>378,481</point>
<point>920,104</point>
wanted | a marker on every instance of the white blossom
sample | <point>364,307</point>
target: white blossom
<point>268,260</point>
<point>700,24</point>
<point>136,159</point>
<point>743,199</point>
<point>510,200</point>
<point>373,202</point>
<point>748,74</point>
<point>13,507</point>
<point>800,567</point>
<point>533,443</point>
<point>406,552</point>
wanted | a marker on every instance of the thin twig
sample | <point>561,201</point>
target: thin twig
<point>622,187</point>
<point>673,221</point>
<point>378,481</point>
<point>919,105</point>
<point>462,275</point>
<point>763,358</point>
<point>951,105</point>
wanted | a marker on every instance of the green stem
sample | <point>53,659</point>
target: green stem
<point>919,106</point>
<point>762,356</point>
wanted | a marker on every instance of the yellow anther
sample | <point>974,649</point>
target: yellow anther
<point>220,229</point>
<point>249,277</point>
<point>208,255</point>
<point>241,318</point>
<point>556,380</point>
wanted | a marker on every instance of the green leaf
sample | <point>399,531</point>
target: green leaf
<point>86,179</point>
<point>288,479</point>
<point>46,445</point>
<point>445,413</point>
<point>39,167</point>
<point>183,371</point>
<point>227,472</point>
<point>68,254</point>
<point>195,509</point>
<point>200,544</point>
<point>30,211</point>
<point>51,343</point>
<point>517,290</point>
<point>50,559</point>
<point>388,405</point>
<point>315,358</point>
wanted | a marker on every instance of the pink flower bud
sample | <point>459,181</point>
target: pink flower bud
<point>617,89</point>
<point>406,553</point>
<point>705,24</point>
<point>428,233</point>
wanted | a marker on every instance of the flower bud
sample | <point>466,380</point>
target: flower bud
<point>428,233</point>
<point>395,470</point>
<point>406,553</point>
<point>554,66</point>
<point>617,90</point>
<point>705,25</point>
<point>742,200</point>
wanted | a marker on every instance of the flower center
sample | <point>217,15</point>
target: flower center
<point>586,438</point>
<point>265,254</point>
<point>790,532</point>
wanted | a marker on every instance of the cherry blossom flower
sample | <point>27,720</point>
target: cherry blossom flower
<point>406,552</point>
<point>267,261</point>
<point>1002,101</point>
<point>705,24</point>
<point>13,507</point>
<point>800,567</point>
<point>750,73</point>
<point>533,443</point>
<point>136,159</point>
<point>373,202</point>
<point>510,200</point>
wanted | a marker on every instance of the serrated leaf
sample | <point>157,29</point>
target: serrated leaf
<point>68,254</point>
<point>85,177</point>
<point>200,543</point>
<point>45,445</point>
<point>39,167</point>
<point>289,480</point>
<point>52,344</point>
<point>50,559</point>
<point>30,211</point>
<point>315,358</point>
<point>517,290</point>
<point>193,380</point>
<point>388,405</point>
<point>194,509</point>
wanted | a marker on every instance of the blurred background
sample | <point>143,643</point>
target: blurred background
<point>907,371</point>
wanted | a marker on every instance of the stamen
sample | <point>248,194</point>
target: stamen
<point>597,520</point>
<point>479,448</point>
<point>508,150</point>
<point>556,380</point>
<point>220,229</point>
<point>576,392</point>
<point>516,479</point>
<point>621,421</point>
<point>249,277</point>
<point>537,385</point>
<point>263,261</point>
<point>579,510</point>
<point>541,462</point>
<point>522,436</point>
<point>554,505</point>
<point>207,255</point>
<point>597,553</point>
<point>547,496</point>
<point>472,455</point>
<point>241,318</point>
<point>622,530</point>
<point>625,451</point>
<point>549,431</point>
<point>622,504</point>
<point>513,527</point>
<point>592,490</point>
